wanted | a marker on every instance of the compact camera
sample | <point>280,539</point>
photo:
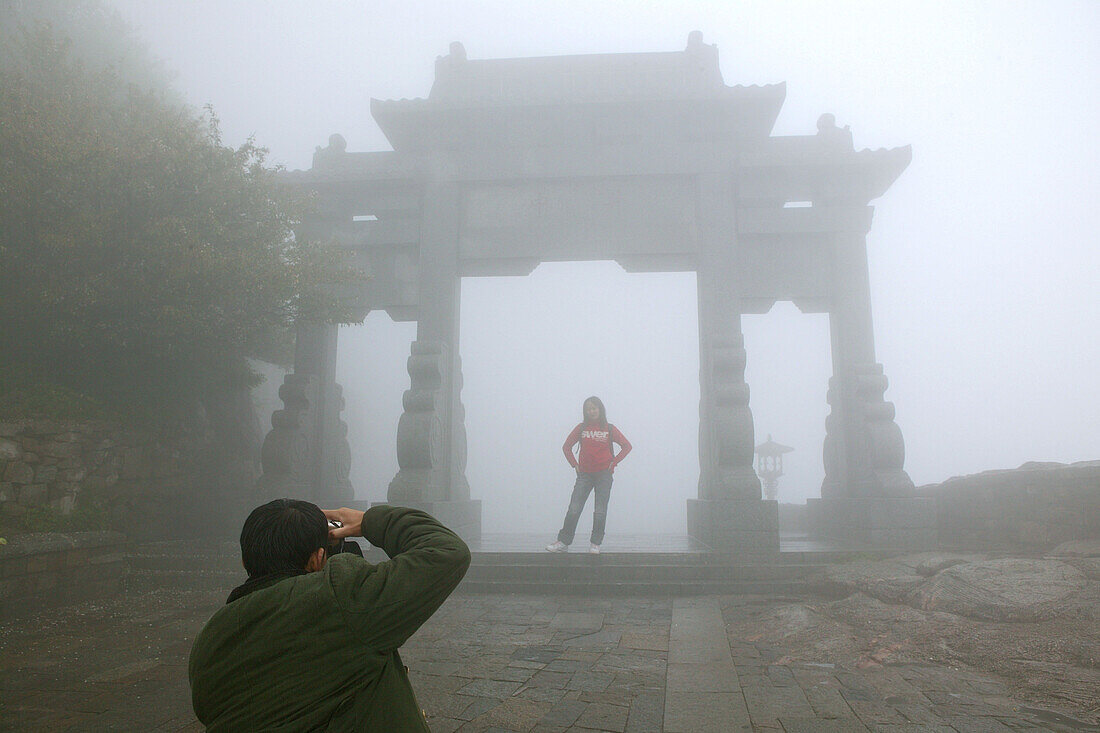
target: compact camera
<point>343,544</point>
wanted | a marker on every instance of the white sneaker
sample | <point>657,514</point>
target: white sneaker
<point>594,550</point>
<point>557,546</point>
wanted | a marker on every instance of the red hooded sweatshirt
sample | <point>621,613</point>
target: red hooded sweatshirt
<point>597,452</point>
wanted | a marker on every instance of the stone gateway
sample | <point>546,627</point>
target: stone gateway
<point>648,159</point>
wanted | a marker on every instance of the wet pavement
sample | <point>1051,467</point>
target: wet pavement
<point>509,663</point>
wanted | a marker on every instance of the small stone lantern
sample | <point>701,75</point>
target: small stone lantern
<point>769,465</point>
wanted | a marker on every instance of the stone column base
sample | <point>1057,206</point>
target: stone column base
<point>888,523</point>
<point>735,525</point>
<point>461,517</point>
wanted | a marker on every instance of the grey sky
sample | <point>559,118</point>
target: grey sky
<point>983,256</point>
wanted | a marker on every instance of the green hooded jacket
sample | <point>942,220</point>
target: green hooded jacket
<point>318,651</point>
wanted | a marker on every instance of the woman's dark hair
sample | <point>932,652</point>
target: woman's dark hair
<point>281,535</point>
<point>602,419</point>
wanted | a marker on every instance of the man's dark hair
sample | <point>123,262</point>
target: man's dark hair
<point>281,535</point>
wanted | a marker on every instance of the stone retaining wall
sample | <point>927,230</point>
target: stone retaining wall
<point>49,569</point>
<point>132,480</point>
<point>1038,505</point>
<point>47,463</point>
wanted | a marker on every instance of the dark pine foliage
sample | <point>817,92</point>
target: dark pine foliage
<point>141,260</point>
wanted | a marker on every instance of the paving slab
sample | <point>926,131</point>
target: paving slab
<point>705,712</point>
<point>563,713</point>
<point>704,677</point>
<point>702,690</point>
<point>647,712</point>
<point>816,725</point>
<point>506,663</point>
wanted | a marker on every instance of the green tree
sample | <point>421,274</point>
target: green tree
<point>141,260</point>
<point>95,34</point>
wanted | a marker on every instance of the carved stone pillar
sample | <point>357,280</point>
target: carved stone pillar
<point>431,440</point>
<point>864,451</point>
<point>726,427</point>
<point>421,475</point>
<point>341,453</point>
<point>729,514</point>
<point>460,487</point>
<point>866,495</point>
<point>315,355</point>
<point>285,455</point>
<point>306,454</point>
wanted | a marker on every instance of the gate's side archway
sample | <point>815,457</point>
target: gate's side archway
<point>648,159</point>
<point>788,368</point>
<point>371,367</point>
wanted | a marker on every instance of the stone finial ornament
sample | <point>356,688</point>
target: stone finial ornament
<point>337,143</point>
<point>447,67</point>
<point>830,134</point>
<point>336,147</point>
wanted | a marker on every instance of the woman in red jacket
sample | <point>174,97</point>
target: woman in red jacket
<point>595,464</point>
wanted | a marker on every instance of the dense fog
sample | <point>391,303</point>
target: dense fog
<point>983,255</point>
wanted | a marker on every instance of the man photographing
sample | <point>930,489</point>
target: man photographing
<point>310,642</point>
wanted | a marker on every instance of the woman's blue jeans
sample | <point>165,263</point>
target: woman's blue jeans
<point>586,482</point>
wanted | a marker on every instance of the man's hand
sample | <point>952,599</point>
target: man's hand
<point>350,519</point>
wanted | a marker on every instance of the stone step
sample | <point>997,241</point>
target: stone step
<point>225,582</point>
<point>793,589</point>
<point>217,567</point>
<point>642,574</point>
<point>546,564</point>
<point>583,558</point>
<point>799,588</point>
<point>521,572</point>
<point>228,553</point>
<point>600,572</point>
<point>655,558</point>
<point>682,558</point>
<point>754,581</point>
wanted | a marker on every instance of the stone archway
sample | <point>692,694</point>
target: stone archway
<point>648,159</point>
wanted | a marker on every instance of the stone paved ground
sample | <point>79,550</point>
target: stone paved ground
<point>513,663</point>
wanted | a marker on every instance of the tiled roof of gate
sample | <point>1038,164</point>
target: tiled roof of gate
<point>693,73</point>
<point>567,99</point>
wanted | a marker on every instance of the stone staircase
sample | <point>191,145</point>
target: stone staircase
<point>216,566</point>
<point>642,574</point>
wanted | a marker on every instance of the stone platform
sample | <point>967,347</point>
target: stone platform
<point>665,544</point>
<point>462,517</point>
<point>648,565</point>
<point>903,523</point>
<point>735,525</point>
